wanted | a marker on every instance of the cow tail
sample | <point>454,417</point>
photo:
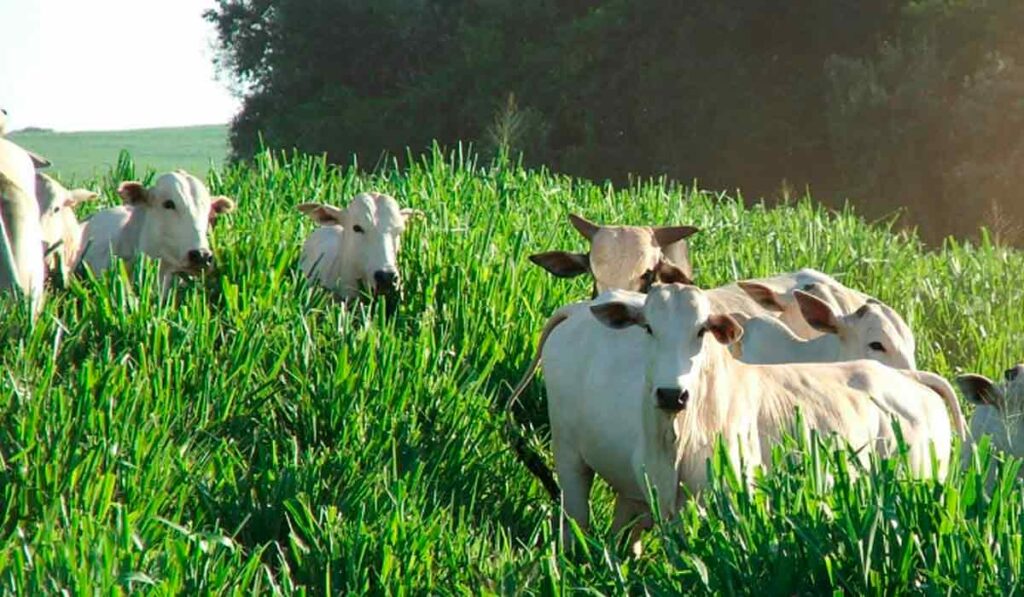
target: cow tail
<point>942,388</point>
<point>529,457</point>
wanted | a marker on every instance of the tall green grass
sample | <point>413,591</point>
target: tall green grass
<point>247,433</point>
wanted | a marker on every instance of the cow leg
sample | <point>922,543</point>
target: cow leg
<point>627,511</point>
<point>576,478</point>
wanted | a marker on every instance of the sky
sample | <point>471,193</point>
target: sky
<point>77,65</point>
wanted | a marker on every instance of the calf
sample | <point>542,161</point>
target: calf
<point>999,410</point>
<point>21,239</point>
<point>167,221</point>
<point>62,234</point>
<point>873,331</point>
<point>625,257</point>
<point>357,247</point>
<point>645,398</point>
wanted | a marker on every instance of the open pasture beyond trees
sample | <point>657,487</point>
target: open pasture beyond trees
<point>84,155</point>
<point>249,433</point>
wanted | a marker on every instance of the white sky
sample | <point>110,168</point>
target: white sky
<point>76,65</point>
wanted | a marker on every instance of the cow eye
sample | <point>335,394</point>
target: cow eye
<point>701,333</point>
<point>358,228</point>
<point>1011,374</point>
<point>168,204</point>
<point>877,346</point>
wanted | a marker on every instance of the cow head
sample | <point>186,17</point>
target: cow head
<point>57,217</point>
<point>999,408</point>
<point>178,212</point>
<point>679,324</point>
<point>624,257</point>
<point>874,331</point>
<point>373,224</point>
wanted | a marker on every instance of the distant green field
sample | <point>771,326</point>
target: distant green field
<point>88,154</point>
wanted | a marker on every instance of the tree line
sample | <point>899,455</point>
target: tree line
<point>913,104</point>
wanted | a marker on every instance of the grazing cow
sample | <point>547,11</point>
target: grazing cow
<point>624,257</point>
<point>999,409</point>
<point>167,221</point>
<point>62,233</point>
<point>357,247</point>
<point>21,239</point>
<point>874,331</point>
<point>647,396</point>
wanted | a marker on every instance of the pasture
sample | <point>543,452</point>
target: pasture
<point>84,155</point>
<point>249,434</point>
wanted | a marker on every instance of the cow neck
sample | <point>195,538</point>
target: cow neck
<point>131,234</point>
<point>823,349</point>
<point>693,431</point>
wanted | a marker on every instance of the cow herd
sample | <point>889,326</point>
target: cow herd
<point>645,377</point>
<point>641,380</point>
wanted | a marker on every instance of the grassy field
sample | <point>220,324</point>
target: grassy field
<point>249,434</point>
<point>81,156</point>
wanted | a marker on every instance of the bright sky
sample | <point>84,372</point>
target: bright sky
<point>75,65</point>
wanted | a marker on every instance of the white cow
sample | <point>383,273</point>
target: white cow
<point>355,248</point>
<point>624,257</point>
<point>167,221</point>
<point>62,233</point>
<point>999,410</point>
<point>21,238</point>
<point>874,331</point>
<point>645,394</point>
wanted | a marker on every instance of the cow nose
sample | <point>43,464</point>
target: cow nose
<point>672,399</point>
<point>385,279</point>
<point>200,257</point>
<point>1013,372</point>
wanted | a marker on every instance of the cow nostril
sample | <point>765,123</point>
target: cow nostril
<point>385,278</point>
<point>200,257</point>
<point>672,399</point>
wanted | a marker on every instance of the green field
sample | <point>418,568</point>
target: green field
<point>80,156</point>
<point>249,434</point>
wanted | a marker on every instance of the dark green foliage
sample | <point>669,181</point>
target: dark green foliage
<point>893,103</point>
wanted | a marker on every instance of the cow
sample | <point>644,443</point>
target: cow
<point>999,410</point>
<point>355,248</point>
<point>62,233</point>
<point>638,391</point>
<point>167,221</point>
<point>634,257</point>
<point>21,239</point>
<point>874,331</point>
<point>624,257</point>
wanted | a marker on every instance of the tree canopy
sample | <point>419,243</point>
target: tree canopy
<point>890,103</point>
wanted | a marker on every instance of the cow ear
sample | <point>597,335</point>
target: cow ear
<point>584,226</point>
<point>325,215</point>
<point>667,235</point>
<point>819,314</point>
<point>562,264</point>
<point>617,315</point>
<point>79,196</point>
<point>979,390</point>
<point>411,214</point>
<point>762,295</point>
<point>221,205</point>
<point>668,273</point>
<point>726,329</point>
<point>133,193</point>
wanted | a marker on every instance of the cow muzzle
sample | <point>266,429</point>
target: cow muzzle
<point>672,400</point>
<point>385,282</point>
<point>200,259</point>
